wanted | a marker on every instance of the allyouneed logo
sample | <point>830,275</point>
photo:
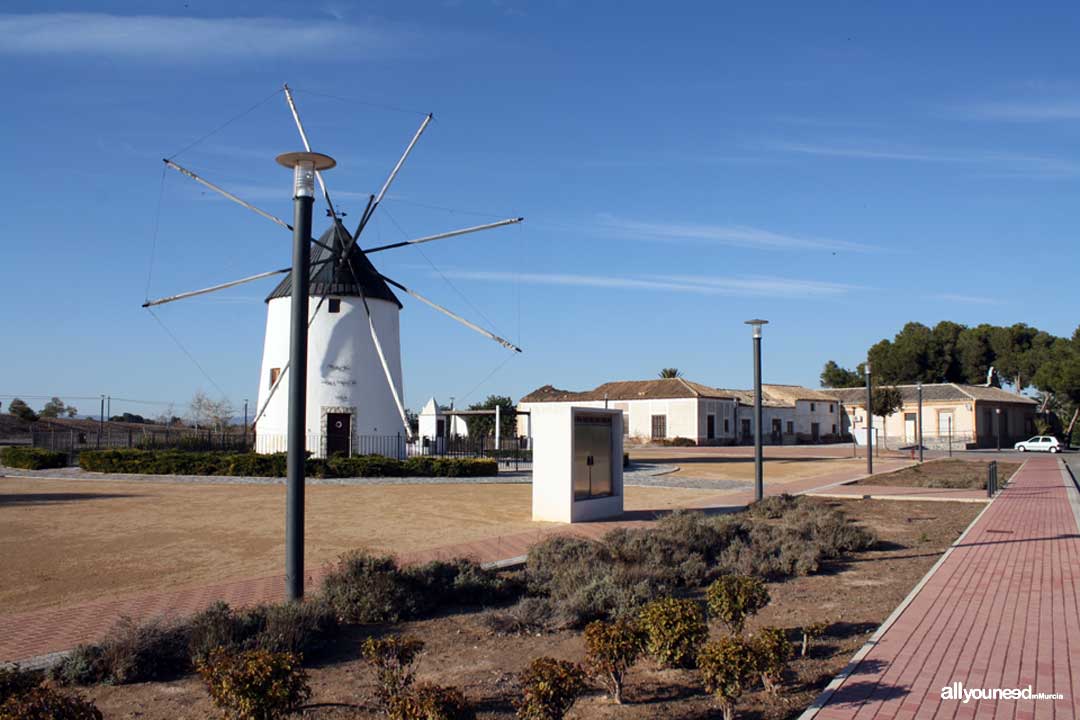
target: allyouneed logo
<point>957,691</point>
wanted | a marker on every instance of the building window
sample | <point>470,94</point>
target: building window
<point>727,426</point>
<point>659,427</point>
<point>334,305</point>
<point>274,374</point>
<point>790,428</point>
<point>813,407</point>
<point>830,408</point>
<point>626,424</point>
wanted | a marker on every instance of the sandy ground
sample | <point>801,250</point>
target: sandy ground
<point>782,464</point>
<point>64,542</point>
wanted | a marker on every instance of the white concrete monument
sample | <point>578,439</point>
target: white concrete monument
<point>577,463</point>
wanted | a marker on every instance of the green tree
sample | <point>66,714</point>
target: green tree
<point>21,410</point>
<point>1060,375</point>
<point>669,373</point>
<point>834,376</point>
<point>54,408</point>
<point>484,425</point>
<point>976,352</point>
<point>946,364</point>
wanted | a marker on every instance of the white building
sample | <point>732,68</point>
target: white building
<point>348,398</point>
<point>668,408</point>
<point>435,423</point>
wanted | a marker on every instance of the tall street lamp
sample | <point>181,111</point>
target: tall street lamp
<point>997,412</point>
<point>869,422</point>
<point>759,459</point>
<point>304,166</point>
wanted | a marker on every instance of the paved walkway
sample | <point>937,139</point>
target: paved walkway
<point>1000,610</point>
<point>38,633</point>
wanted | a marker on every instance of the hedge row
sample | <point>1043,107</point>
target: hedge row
<point>29,458</point>
<point>173,462</point>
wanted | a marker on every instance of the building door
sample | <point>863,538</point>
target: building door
<point>777,435</point>
<point>746,435</point>
<point>338,433</point>
<point>910,431</point>
<point>710,427</point>
<point>815,432</point>
<point>659,427</point>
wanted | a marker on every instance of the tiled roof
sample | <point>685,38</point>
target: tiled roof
<point>673,388</point>
<point>658,389</point>
<point>936,392</point>
<point>788,394</point>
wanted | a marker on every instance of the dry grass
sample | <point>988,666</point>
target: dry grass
<point>66,542</point>
<point>962,474</point>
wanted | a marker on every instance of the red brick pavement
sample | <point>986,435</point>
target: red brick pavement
<point>40,632</point>
<point>1001,610</point>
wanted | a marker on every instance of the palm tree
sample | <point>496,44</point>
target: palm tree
<point>668,373</point>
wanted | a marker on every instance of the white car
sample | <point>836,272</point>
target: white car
<point>1039,443</point>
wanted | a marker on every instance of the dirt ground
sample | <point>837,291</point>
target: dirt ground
<point>65,542</point>
<point>967,474</point>
<point>854,596</point>
<point>783,464</point>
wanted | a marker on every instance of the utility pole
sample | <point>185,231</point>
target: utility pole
<point>101,421</point>
<point>759,454</point>
<point>108,406</point>
<point>245,422</point>
<point>869,422</point>
<point>304,166</point>
<point>920,423</point>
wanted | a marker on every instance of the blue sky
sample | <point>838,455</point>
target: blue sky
<point>838,169</point>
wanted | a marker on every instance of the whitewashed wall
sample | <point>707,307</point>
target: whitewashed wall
<point>805,417</point>
<point>344,372</point>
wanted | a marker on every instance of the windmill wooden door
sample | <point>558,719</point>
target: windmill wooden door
<point>338,434</point>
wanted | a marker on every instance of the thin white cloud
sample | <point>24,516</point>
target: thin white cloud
<point>192,39</point>
<point>987,163</point>
<point>731,235</point>
<point>756,286</point>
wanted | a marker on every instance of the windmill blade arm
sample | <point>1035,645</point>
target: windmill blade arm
<point>449,313</point>
<point>307,146</point>
<point>244,203</point>
<point>393,174</point>
<point>450,234</point>
<point>223,286</point>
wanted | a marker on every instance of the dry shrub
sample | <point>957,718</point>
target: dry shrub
<point>129,653</point>
<point>42,703</point>
<point>366,588</point>
<point>549,689</point>
<point>773,507</point>
<point>734,598</point>
<point>529,616</point>
<point>254,684</point>
<point>611,649</point>
<point>728,667</point>
<point>674,630</point>
<point>427,701</point>
<point>393,658</point>
<point>772,652</point>
<point>16,681</point>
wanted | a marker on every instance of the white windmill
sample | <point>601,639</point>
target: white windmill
<point>354,383</point>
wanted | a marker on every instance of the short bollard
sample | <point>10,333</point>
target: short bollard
<point>991,479</point>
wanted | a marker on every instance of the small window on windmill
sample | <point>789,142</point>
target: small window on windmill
<point>334,305</point>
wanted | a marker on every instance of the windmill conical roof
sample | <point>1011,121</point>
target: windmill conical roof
<point>336,279</point>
